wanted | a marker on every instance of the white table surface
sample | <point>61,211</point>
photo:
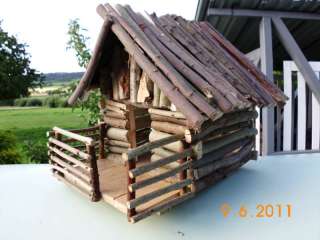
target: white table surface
<point>34,205</point>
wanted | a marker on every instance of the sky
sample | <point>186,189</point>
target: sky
<point>43,25</point>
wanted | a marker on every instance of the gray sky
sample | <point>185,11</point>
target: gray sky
<point>43,25</point>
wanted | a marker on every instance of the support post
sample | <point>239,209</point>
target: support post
<point>131,164</point>
<point>94,174</point>
<point>297,56</point>
<point>267,69</point>
<point>102,129</point>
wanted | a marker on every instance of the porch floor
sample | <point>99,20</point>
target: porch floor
<point>113,185</point>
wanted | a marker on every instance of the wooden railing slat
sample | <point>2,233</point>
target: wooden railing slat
<point>71,169</point>
<point>161,207</point>
<point>71,159</point>
<point>133,153</point>
<point>78,137</point>
<point>69,148</point>
<point>149,196</point>
<point>167,174</point>
<point>150,166</point>
<point>73,179</point>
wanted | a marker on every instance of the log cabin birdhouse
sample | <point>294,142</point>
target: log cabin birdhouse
<point>177,113</point>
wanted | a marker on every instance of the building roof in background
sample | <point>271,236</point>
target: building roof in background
<point>197,69</point>
<point>243,32</point>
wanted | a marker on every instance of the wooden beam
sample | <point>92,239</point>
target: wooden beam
<point>267,69</point>
<point>298,57</point>
<point>212,12</point>
<point>93,64</point>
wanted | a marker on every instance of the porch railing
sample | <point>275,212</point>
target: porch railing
<point>182,183</point>
<point>72,154</point>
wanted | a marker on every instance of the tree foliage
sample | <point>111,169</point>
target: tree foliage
<point>16,75</point>
<point>78,42</point>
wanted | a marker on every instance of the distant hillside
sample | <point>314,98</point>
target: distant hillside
<point>62,77</point>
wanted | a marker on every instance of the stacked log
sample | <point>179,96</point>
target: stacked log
<point>166,123</point>
<point>226,145</point>
<point>116,115</point>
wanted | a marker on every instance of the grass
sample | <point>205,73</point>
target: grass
<point>30,125</point>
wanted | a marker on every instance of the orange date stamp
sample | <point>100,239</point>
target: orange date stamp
<point>261,211</point>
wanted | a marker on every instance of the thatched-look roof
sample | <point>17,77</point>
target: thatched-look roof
<point>201,73</point>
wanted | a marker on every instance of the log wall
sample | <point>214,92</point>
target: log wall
<point>119,134</point>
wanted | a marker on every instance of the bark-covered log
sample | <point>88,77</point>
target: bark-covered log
<point>116,149</point>
<point>101,142</point>
<point>93,64</point>
<point>111,114</point>
<point>117,134</point>
<point>157,193</point>
<point>223,162</point>
<point>276,93</point>
<point>166,113</point>
<point>222,141</point>
<point>117,143</point>
<point>160,118</point>
<point>216,79</point>
<point>160,151</point>
<point>214,177</point>
<point>69,148</point>
<point>114,109</point>
<point>117,123</point>
<point>227,120</point>
<point>134,78</point>
<point>156,96</point>
<point>168,127</point>
<point>160,177</point>
<point>209,91</point>
<point>225,131</point>
<point>175,77</point>
<point>70,159</point>
<point>163,206</point>
<point>143,149</point>
<point>159,163</point>
<point>219,153</point>
<point>155,157</point>
<point>116,104</point>
<point>77,137</point>
<point>72,169</point>
<point>175,146</point>
<point>195,119</point>
<point>244,83</point>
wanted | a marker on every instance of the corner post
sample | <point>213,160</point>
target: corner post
<point>102,130</point>
<point>267,69</point>
<point>94,174</point>
<point>131,164</point>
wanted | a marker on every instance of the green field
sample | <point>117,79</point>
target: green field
<point>30,126</point>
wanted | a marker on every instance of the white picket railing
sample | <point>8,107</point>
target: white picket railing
<point>308,112</point>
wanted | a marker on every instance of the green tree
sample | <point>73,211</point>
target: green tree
<point>16,75</point>
<point>78,42</point>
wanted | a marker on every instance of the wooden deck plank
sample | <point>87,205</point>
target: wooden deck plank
<point>113,186</point>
